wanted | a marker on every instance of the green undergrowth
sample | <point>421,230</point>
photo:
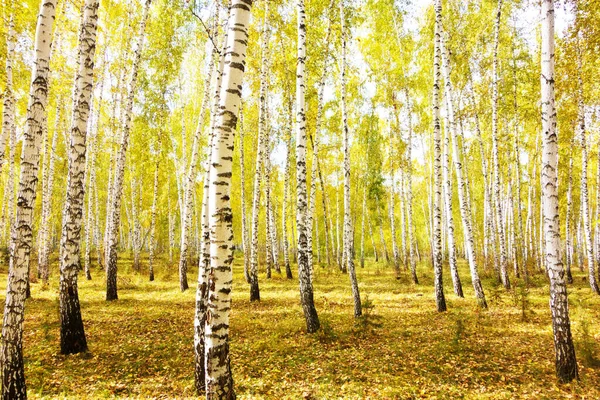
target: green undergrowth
<point>141,345</point>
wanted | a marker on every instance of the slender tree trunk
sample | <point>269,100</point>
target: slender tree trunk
<point>362,229</point>
<point>245,238</point>
<point>204,260</point>
<point>348,231</point>
<point>566,364</point>
<point>117,190</point>
<point>72,334</point>
<point>47,190</point>
<point>91,170</point>
<point>189,185</point>
<point>268,212</point>
<point>13,374</point>
<point>152,247</point>
<point>464,203</point>
<point>585,207</point>
<point>409,197</point>
<point>495,151</point>
<point>437,165</point>
<point>8,112</point>
<point>306,289</point>
<point>393,212</point>
<point>286,195</point>
<point>381,237</point>
<point>260,157</point>
<point>568,228</point>
<point>372,238</point>
<point>447,177</point>
<point>219,382</point>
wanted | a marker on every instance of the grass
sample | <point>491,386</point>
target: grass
<point>141,345</point>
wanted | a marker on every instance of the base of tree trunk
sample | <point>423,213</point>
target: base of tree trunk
<point>13,381</point>
<point>254,291</point>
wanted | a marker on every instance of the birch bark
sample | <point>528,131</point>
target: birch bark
<point>13,374</point>
<point>566,364</point>
<point>117,187</point>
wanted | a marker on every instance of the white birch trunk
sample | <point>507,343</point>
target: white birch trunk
<point>13,382</point>
<point>495,155</point>
<point>306,289</point>
<point>72,334</point>
<point>260,157</point>
<point>190,179</point>
<point>117,190</point>
<point>447,177</point>
<point>464,203</point>
<point>8,112</point>
<point>437,165</point>
<point>219,383</point>
<point>566,364</point>
<point>152,244</point>
<point>348,231</point>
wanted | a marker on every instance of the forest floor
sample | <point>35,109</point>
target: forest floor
<point>141,345</point>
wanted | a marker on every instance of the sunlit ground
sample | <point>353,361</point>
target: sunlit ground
<point>141,345</point>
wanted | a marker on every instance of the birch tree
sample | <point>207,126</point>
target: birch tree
<point>348,230</point>
<point>495,156</point>
<point>219,382</point>
<point>13,374</point>
<point>8,112</point>
<point>437,165</point>
<point>260,158</point>
<point>464,203</point>
<point>117,186</point>
<point>566,364</point>
<point>585,207</point>
<point>306,289</point>
<point>72,334</point>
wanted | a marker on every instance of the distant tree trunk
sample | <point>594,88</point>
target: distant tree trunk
<point>171,222</point>
<point>47,190</point>
<point>338,252</point>
<point>568,217</point>
<point>190,178</point>
<point>219,382</point>
<point>72,334</point>
<point>520,231</point>
<point>260,158</point>
<point>409,197</point>
<point>152,246</point>
<point>268,211</point>
<point>465,204</point>
<point>393,211</point>
<point>372,238</point>
<point>566,364</point>
<point>117,189</point>
<point>437,165</point>
<point>8,113</point>
<point>381,237</point>
<point>13,374</point>
<point>245,238</point>
<point>286,191</point>
<point>306,289</point>
<point>447,178</point>
<point>495,151</point>
<point>362,229</point>
<point>328,228</point>
<point>402,197</point>
<point>91,170</point>
<point>585,207</point>
<point>273,230</point>
<point>348,231</point>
